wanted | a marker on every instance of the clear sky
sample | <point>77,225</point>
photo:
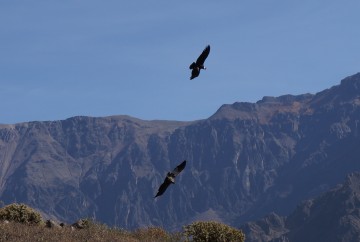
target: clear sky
<point>60,59</point>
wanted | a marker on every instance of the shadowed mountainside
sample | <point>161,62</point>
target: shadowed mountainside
<point>245,161</point>
<point>332,216</point>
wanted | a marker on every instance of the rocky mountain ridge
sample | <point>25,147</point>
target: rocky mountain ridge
<point>245,161</point>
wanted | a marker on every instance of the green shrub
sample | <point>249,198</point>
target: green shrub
<point>20,213</point>
<point>212,231</point>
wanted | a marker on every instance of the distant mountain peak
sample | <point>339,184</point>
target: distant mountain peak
<point>353,81</point>
<point>263,110</point>
<point>347,91</point>
<point>285,99</point>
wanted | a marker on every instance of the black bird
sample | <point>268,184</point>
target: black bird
<point>170,178</point>
<point>199,64</point>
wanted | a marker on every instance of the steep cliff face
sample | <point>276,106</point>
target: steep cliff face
<point>332,216</point>
<point>85,167</point>
<point>245,161</point>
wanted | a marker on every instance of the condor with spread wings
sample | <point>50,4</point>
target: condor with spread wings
<point>199,64</point>
<point>170,178</point>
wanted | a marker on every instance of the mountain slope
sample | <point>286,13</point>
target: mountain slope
<point>332,216</point>
<point>245,161</point>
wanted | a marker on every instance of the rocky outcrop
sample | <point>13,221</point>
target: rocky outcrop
<point>245,161</point>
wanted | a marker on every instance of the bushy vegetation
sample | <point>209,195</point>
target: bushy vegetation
<point>212,231</point>
<point>155,234</point>
<point>20,213</point>
<point>19,222</point>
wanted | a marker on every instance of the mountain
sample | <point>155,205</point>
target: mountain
<point>245,161</point>
<point>332,216</point>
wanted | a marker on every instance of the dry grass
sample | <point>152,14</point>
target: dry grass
<point>19,222</point>
<point>13,231</point>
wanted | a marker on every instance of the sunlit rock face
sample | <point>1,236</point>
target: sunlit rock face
<point>245,161</point>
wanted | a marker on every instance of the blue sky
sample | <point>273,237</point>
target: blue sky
<point>60,59</point>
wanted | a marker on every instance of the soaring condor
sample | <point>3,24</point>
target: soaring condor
<point>170,178</point>
<point>199,64</point>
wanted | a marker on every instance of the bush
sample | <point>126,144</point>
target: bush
<point>20,213</point>
<point>212,231</point>
<point>151,234</point>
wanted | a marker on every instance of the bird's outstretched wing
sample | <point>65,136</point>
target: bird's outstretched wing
<point>179,168</point>
<point>163,187</point>
<point>192,66</point>
<point>201,59</point>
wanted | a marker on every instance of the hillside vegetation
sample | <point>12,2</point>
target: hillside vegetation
<point>22,223</point>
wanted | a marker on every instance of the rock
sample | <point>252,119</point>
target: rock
<point>52,224</point>
<point>80,224</point>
